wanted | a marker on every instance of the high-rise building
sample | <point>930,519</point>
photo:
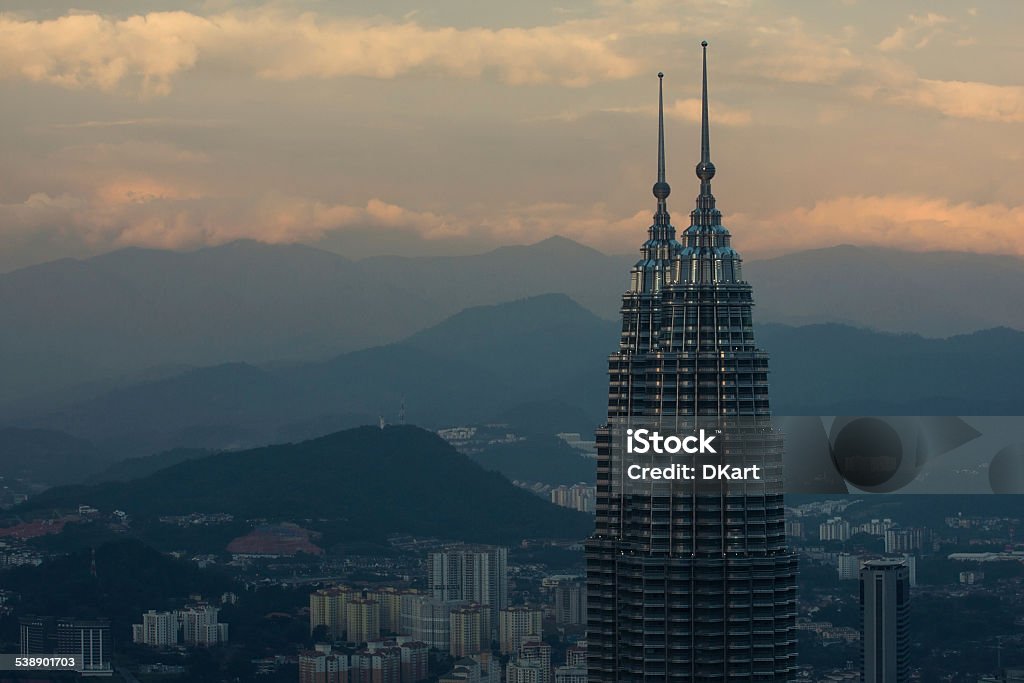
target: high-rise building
<point>481,668</point>
<point>383,665</point>
<point>876,527</point>
<point>200,625</point>
<point>900,540</point>
<point>570,674</point>
<point>911,562</point>
<point>428,620</point>
<point>579,497</point>
<point>327,608</point>
<point>470,629</point>
<point>477,574</point>
<point>390,600</point>
<point>89,641</point>
<point>490,667</point>
<point>415,661</point>
<point>158,629</point>
<point>835,529</point>
<point>465,670</point>
<point>471,573</point>
<point>885,610</point>
<point>535,652</point>
<point>37,635</point>
<point>323,667</point>
<point>688,584</point>
<point>523,672</point>
<point>848,567</point>
<point>515,624</point>
<point>571,602</point>
<point>362,620</point>
<point>576,655</point>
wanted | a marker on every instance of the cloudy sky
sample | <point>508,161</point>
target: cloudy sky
<point>457,125</point>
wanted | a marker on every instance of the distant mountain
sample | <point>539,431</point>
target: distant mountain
<point>933,293</point>
<point>70,322</point>
<point>136,468</point>
<point>840,370</point>
<point>74,321</point>
<point>548,460</point>
<point>360,484</point>
<point>480,364</point>
<point>45,456</point>
<point>539,365</point>
<point>76,328</point>
<point>556,264</point>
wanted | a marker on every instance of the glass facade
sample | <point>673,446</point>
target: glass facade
<point>690,583</point>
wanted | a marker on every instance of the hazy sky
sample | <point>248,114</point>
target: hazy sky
<point>459,124</point>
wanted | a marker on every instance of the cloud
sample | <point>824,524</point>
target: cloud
<point>143,211</point>
<point>911,222</point>
<point>88,50</point>
<point>690,110</point>
<point>149,214</point>
<point>918,34</point>
<point>682,110</point>
<point>150,122</point>
<point>788,53</point>
<point>155,213</point>
<point>968,100</point>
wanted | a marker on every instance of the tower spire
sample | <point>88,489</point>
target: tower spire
<point>705,169</point>
<point>705,212</point>
<point>661,129</point>
<point>661,188</point>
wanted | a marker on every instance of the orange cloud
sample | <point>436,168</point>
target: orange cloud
<point>788,53</point>
<point>90,50</point>
<point>682,110</point>
<point>690,110</point>
<point>968,100</point>
<point>920,32</point>
<point>153,215</point>
<point>917,223</point>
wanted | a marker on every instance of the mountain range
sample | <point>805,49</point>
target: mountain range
<point>359,484</point>
<point>76,328</point>
<point>534,357</point>
<point>51,456</point>
<point>537,364</point>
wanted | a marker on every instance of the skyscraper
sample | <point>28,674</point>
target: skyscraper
<point>475,573</point>
<point>690,583</point>
<point>158,629</point>
<point>470,629</point>
<point>570,602</point>
<point>885,609</point>
<point>327,608</point>
<point>362,620</point>
<point>89,641</point>
<point>516,625</point>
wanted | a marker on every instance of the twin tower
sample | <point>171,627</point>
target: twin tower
<point>685,583</point>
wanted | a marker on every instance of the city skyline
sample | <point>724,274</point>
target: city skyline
<point>501,126</point>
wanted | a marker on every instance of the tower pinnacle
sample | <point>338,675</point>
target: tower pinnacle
<point>705,214</point>
<point>661,188</point>
<point>705,169</point>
